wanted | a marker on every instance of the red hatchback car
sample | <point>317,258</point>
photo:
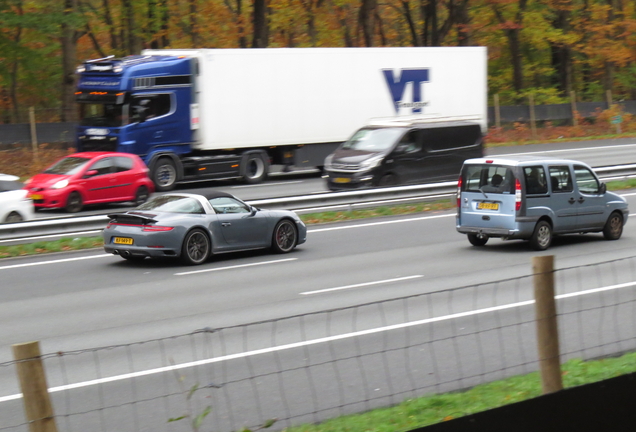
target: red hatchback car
<point>91,178</point>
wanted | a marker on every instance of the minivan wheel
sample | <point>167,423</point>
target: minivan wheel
<point>542,236</point>
<point>613,227</point>
<point>477,240</point>
<point>388,180</point>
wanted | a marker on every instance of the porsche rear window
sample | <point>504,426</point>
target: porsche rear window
<point>488,178</point>
<point>173,204</point>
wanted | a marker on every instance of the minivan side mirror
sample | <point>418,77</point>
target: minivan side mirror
<point>603,188</point>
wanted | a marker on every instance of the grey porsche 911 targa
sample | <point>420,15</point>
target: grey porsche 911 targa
<point>193,227</point>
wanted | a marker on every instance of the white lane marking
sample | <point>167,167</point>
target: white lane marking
<point>316,341</point>
<point>235,266</point>
<point>54,261</point>
<point>563,150</point>
<point>362,285</point>
<point>381,223</point>
<point>267,184</point>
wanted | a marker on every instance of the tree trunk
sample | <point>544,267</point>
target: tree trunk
<point>194,31</point>
<point>133,43</point>
<point>406,10</point>
<point>68,44</point>
<point>366,20</point>
<point>259,20</point>
<point>108,20</point>
<point>462,20</point>
<point>512,33</point>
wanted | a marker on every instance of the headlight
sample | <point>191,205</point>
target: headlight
<point>328,160</point>
<point>80,69</point>
<point>59,185</point>
<point>371,163</point>
<point>26,182</point>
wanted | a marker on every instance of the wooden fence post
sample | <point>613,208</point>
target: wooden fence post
<point>608,98</point>
<point>574,110</point>
<point>533,125</point>
<point>547,328</point>
<point>35,394</point>
<point>34,136</point>
<point>497,111</point>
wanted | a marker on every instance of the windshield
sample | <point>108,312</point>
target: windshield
<point>373,140</point>
<point>98,114</point>
<point>173,204</point>
<point>68,166</point>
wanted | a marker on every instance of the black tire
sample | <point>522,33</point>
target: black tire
<point>285,236</point>
<point>74,202</point>
<point>141,196</point>
<point>164,174</point>
<point>613,227</point>
<point>476,240</point>
<point>254,167</point>
<point>388,180</point>
<point>196,247</point>
<point>542,236</point>
<point>14,217</point>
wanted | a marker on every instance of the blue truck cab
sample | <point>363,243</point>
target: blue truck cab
<point>140,105</point>
<point>146,105</point>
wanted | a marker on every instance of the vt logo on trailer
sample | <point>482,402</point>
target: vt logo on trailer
<point>397,86</point>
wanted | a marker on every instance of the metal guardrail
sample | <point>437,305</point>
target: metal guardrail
<point>43,229</point>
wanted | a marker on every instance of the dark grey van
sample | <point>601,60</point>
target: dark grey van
<point>533,199</point>
<point>403,153</point>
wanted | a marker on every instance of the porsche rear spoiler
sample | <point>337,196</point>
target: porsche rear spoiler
<point>132,218</point>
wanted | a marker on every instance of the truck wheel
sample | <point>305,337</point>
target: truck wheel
<point>254,167</point>
<point>164,174</point>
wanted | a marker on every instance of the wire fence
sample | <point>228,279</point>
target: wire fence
<point>313,367</point>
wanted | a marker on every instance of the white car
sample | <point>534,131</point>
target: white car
<point>14,204</point>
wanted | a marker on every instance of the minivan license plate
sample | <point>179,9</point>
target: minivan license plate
<point>488,206</point>
<point>123,240</point>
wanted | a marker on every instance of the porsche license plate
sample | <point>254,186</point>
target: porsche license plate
<point>488,206</point>
<point>341,180</point>
<point>123,240</point>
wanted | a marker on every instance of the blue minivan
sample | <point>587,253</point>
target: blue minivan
<point>532,198</point>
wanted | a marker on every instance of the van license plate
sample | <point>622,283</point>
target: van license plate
<point>341,180</point>
<point>488,206</point>
<point>123,240</point>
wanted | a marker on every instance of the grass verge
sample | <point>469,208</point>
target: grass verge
<point>424,411</point>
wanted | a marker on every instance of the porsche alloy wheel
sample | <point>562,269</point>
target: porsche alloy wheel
<point>285,236</point>
<point>196,247</point>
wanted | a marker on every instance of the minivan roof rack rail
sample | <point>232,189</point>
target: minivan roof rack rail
<point>426,118</point>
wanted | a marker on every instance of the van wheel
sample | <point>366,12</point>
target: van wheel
<point>613,227</point>
<point>477,240</point>
<point>388,180</point>
<point>542,236</point>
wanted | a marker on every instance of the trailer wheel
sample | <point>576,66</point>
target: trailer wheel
<point>164,174</point>
<point>254,167</point>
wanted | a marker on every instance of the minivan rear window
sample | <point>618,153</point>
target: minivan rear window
<point>488,178</point>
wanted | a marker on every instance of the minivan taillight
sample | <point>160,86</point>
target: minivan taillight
<point>459,191</point>
<point>517,195</point>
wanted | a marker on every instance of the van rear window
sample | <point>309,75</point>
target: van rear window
<point>488,178</point>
